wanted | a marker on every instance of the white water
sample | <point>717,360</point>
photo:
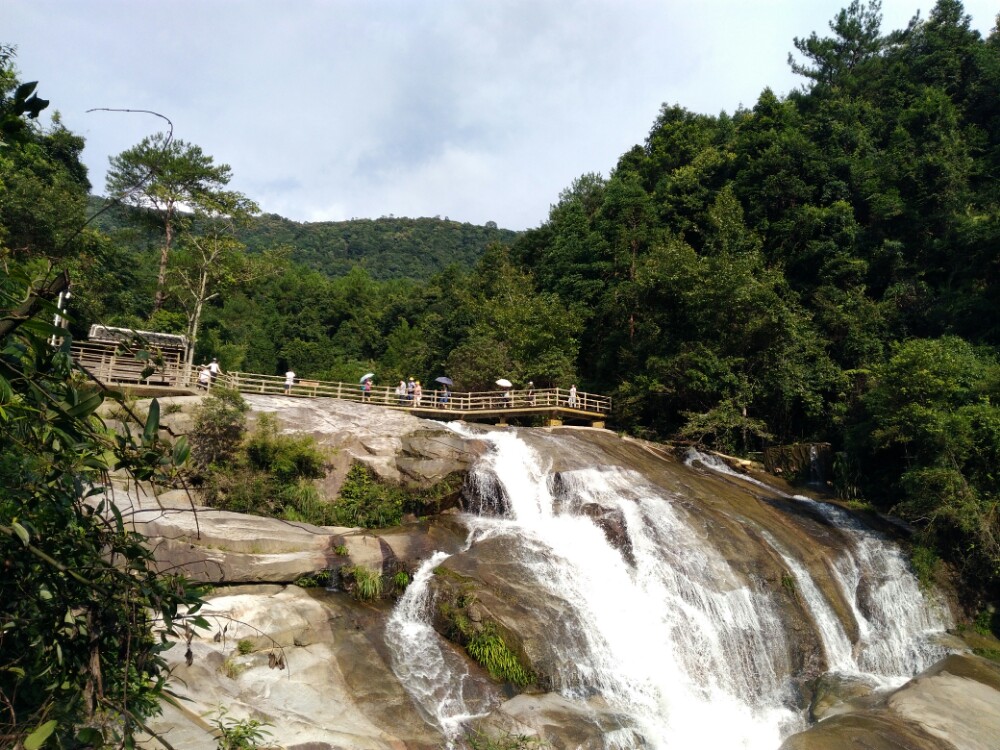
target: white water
<point>672,638</point>
<point>897,626</point>
<point>432,673</point>
<point>836,644</point>
<point>675,641</point>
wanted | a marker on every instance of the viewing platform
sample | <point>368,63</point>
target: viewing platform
<point>553,405</point>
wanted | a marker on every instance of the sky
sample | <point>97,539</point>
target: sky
<point>474,110</point>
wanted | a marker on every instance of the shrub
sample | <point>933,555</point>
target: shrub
<point>242,734</point>
<point>489,649</point>
<point>245,646</point>
<point>287,458</point>
<point>317,580</point>
<point>219,425</point>
<point>365,501</point>
<point>367,583</point>
<point>924,561</point>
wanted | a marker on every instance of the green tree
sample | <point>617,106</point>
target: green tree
<point>168,176</point>
<point>211,260</point>
<point>934,446</point>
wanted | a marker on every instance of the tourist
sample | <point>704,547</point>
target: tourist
<point>204,377</point>
<point>418,393</point>
<point>571,402</point>
<point>445,396</point>
<point>401,392</point>
<point>366,390</point>
<point>215,370</point>
<point>289,382</point>
<point>530,395</point>
<point>410,387</point>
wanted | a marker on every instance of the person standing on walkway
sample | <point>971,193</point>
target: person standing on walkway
<point>214,369</point>
<point>401,392</point>
<point>418,393</point>
<point>289,382</point>
<point>571,402</point>
<point>366,390</point>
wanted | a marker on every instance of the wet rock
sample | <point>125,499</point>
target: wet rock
<point>833,693</point>
<point>562,724</point>
<point>612,523</point>
<point>954,704</point>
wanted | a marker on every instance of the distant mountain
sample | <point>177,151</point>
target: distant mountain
<point>389,248</point>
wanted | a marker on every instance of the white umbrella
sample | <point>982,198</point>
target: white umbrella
<point>504,383</point>
<point>369,376</point>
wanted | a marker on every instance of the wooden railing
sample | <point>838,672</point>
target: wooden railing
<point>114,368</point>
<point>509,398</point>
<point>109,366</point>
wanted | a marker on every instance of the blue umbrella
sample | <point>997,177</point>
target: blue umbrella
<point>443,380</point>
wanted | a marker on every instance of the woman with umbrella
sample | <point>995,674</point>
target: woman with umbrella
<point>444,396</point>
<point>506,394</point>
<point>366,386</point>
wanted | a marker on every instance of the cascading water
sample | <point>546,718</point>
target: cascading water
<point>897,626</point>
<point>660,627</point>
<point>433,675</point>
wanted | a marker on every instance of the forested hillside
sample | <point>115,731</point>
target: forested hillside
<point>387,248</point>
<point>820,266</point>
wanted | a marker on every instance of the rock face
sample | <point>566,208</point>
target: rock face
<point>397,446</point>
<point>314,663</point>
<point>954,705</point>
<point>308,665</point>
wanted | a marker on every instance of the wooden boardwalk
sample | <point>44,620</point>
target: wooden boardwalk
<point>553,405</point>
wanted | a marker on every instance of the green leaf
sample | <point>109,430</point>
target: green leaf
<point>152,422</point>
<point>22,533</point>
<point>87,406</point>
<point>181,451</point>
<point>90,736</point>
<point>37,738</point>
<point>42,328</point>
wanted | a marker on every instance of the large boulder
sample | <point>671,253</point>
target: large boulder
<point>396,445</point>
<point>222,547</point>
<point>954,705</point>
<point>560,723</point>
<point>306,664</point>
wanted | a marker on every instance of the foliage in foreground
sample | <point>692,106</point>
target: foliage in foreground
<point>80,597</point>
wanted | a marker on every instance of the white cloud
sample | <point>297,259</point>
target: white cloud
<point>359,108</point>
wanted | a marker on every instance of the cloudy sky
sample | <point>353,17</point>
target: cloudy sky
<point>478,110</point>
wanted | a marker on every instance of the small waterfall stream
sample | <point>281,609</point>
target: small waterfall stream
<point>670,635</point>
<point>896,624</point>
<point>432,673</point>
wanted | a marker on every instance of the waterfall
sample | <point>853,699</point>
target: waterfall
<point>673,641</point>
<point>432,673</point>
<point>897,625</point>
<point>657,625</point>
<point>836,644</point>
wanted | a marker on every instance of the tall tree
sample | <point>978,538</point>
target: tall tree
<point>212,260</point>
<point>169,176</point>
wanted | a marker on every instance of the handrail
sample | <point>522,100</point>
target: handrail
<point>507,399</point>
<point>111,367</point>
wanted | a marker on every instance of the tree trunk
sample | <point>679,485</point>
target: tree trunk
<point>161,277</point>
